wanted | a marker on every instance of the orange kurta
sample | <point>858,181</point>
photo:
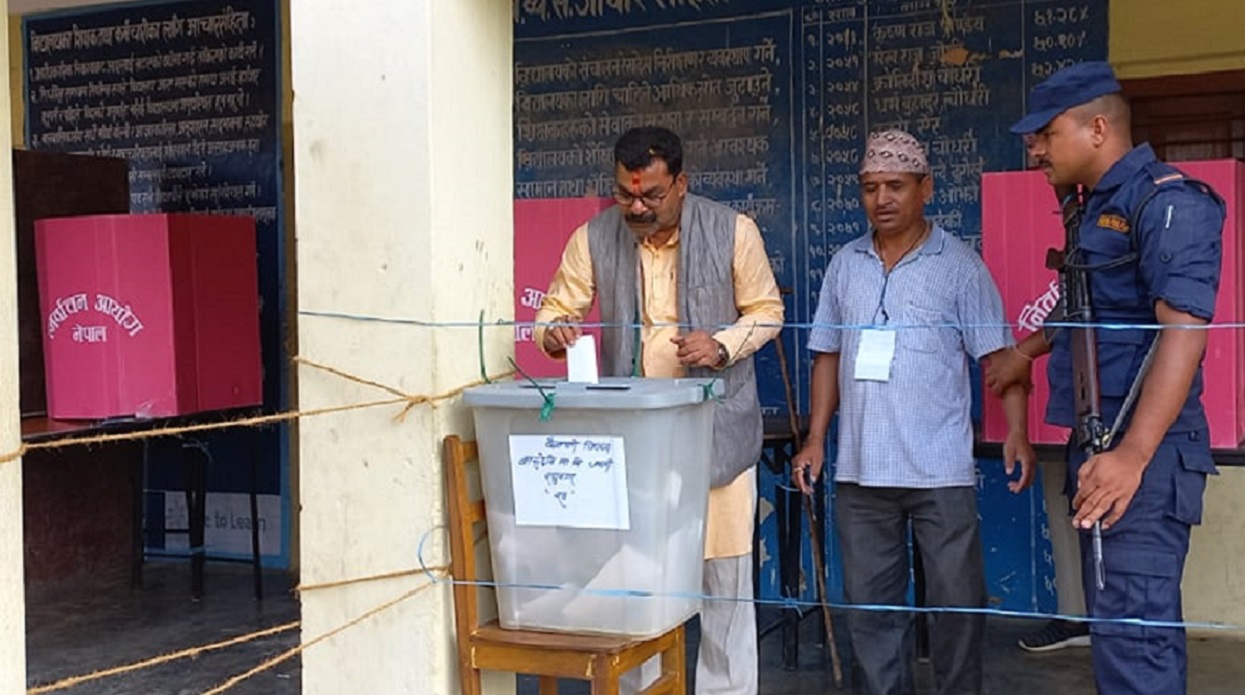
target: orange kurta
<point>728,527</point>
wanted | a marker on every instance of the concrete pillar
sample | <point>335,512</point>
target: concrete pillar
<point>403,206</point>
<point>12,550</point>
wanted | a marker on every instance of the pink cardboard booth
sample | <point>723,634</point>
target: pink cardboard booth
<point>1020,221</point>
<point>148,315</point>
<point>541,229</point>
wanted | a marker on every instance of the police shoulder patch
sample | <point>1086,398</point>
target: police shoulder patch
<point>1115,222</point>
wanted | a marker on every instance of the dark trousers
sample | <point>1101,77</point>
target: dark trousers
<point>1143,557</point>
<point>872,526</point>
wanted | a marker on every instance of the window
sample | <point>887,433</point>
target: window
<point>1190,117</point>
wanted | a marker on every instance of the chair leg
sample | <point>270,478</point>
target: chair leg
<point>673,669</point>
<point>470,680</point>
<point>548,685</point>
<point>605,682</point>
<point>674,661</point>
<point>604,685</point>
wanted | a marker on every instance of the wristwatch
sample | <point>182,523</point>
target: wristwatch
<point>724,357</point>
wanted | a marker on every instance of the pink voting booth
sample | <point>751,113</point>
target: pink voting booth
<point>148,315</point>
<point>1020,221</point>
<point>541,228</point>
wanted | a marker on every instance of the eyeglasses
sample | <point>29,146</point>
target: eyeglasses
<point>651,201</point>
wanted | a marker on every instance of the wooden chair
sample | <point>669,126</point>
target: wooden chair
<point>600,659</point>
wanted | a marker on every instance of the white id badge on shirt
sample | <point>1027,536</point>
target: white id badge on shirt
<point>874,355</point>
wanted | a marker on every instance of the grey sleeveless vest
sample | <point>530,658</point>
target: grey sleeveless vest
<point>706,301</point>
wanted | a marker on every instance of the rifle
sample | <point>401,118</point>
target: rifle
<point>1092,434</point>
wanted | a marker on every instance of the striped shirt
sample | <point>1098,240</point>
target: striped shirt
<point>915,429</point>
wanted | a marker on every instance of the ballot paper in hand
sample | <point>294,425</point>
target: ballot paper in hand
<point>581,361</point>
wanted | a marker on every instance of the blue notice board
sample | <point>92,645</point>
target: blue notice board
<point>774,100</point>
<point>189,93</point>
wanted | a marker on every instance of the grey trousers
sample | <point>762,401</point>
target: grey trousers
<point>727,661</point>
<point>872,526</point>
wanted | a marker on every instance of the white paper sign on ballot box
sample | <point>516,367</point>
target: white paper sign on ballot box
<point>572,481</point>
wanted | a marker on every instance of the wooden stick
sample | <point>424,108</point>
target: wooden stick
<point>819,565</point>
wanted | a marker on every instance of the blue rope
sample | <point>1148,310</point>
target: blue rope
<point>479,324</point>
<point>801,604</point>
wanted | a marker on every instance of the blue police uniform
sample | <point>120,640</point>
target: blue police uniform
<point>1176,243</point>
<point>1152,235</point>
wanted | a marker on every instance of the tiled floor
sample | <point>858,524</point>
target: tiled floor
<point>1216,667</point>
<point>78,630</point>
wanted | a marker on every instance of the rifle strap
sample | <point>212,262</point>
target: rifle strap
<point>1055,262</point>
<point>1134,390</point>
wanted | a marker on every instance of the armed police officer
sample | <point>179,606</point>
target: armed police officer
<point>1147,248</point>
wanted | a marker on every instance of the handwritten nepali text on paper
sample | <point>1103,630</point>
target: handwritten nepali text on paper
<point>574,481</point>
